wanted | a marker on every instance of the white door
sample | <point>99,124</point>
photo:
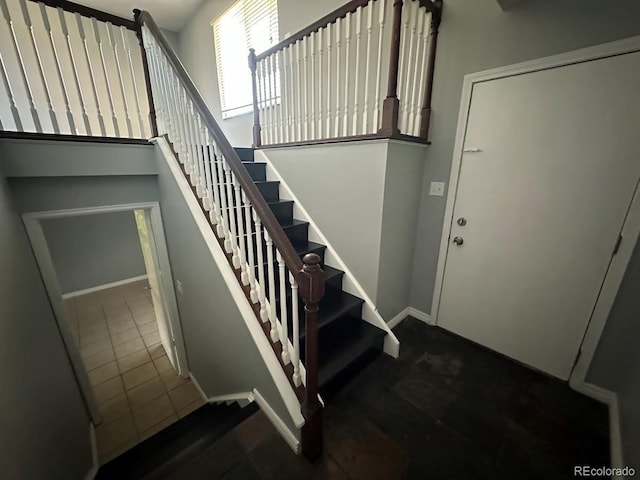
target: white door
<point>544,200</point>
<point>154,273</point>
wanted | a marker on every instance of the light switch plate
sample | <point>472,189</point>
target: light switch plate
<point>179,286</point>
<point>436,189</point>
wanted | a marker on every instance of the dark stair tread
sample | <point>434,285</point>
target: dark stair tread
<point>343,350</point>
<point>176,444</point>
<point>334,306</point>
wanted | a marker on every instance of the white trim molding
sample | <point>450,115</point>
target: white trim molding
<point>243,398</point>
<point>97,288</point>
<point>95,462</point>
<point>611,399</point>
<point>350,283</point>
<point>631,228</point>
<point>288,436</point>
<point>409,312</point>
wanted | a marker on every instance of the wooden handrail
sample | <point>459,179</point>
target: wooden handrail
<point>277,234</point>
<point>85,11</point>
<point>340,12</point>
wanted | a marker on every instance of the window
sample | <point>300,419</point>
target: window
<point>246,24</point>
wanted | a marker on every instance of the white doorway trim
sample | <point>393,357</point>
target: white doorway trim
<point>33,226</point>
<point>631,227</point>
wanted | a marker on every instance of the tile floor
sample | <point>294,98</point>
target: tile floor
<point>137,390</point>
<point>445,410</point>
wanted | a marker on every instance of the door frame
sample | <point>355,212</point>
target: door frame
<point>33,225</point>
<point>631,227</point>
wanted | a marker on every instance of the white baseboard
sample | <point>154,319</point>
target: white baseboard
<point>611,399</point>
<point>409,312</point>
<point>243,398</point>
<point>95,463</point>
<point>277,422</point>
<point>420,315</point>
<point>395,321</point>
<point>77,293</point>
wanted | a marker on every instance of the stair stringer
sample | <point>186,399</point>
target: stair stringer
<point>269,357</point>
<point>350,283</point>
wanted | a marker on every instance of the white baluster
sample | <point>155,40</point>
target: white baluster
<point>367,70</point>
<point>345,113</point>
<point>114,119</point>
<point>74,70</point>
<point>214,193</point>
<point>232,216</point>
<point>23,73</point>
<point>12,103</point>
<point>423,74</point>
<point>295,322</point>
<point>305,93</point>
<point>356,83</point>
<point>285,95</point>
<point>94,88</point>
<point>279,89</point>
<point>242,252</point>
<point>207,194</point>
<point>251,265</point>
<point>284,329</point>
<point>132,71</point>
<point>271,87</point>
<point>292,119</point>
<point>336,132</point>
<point>404,40</point>
<point>407,52</point>
<point>298,93</point>
<point>123,91</point>
<point>264,315</point>
<point>272,288</point>
<point>312,130</point>
<point>378,100</point>
<point>224,229</point>
<point>265,113</point>
<point>57,56</point>
<point>320,89</point>
<point>190,164</point>
<point>415,86</point>
<point>329,36</point>
<point>43,79</point>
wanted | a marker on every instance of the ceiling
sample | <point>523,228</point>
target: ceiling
<point>169,14</point>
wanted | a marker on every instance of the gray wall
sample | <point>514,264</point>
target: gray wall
<point>198,54</point>
<point>364,198</point>
<point>345,198</point>
<point>43,420</point>
<point>93,250</point>
<point>220,351</point>
<point>47,158</point>
<point>476,35</point>
<point>60,193</point>
<point>402,181</point>
<point>616,364</point>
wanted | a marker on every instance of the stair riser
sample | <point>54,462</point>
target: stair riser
<point>245,154</point>
<point>270,190</point>
<point>282,211</point>
<point>296,233</point>
<point>258,171</point>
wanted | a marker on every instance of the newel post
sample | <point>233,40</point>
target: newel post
<point>253,63</point>
<point>147,78</point>
<point>391,104</point>
<point>436,17</point>
<point>311,291</point>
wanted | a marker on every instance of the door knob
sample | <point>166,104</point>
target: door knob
<point>461,221</point>
<point>458,240</point>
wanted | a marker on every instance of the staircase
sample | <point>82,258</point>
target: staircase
<point>344,337</point>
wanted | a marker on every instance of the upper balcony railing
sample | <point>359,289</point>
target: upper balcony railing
<point>69,69</point>
<point>363,71</point>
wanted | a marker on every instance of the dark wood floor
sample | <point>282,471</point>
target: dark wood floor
<point>446,409</point>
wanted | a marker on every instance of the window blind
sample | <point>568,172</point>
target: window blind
<point>246,24</point>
